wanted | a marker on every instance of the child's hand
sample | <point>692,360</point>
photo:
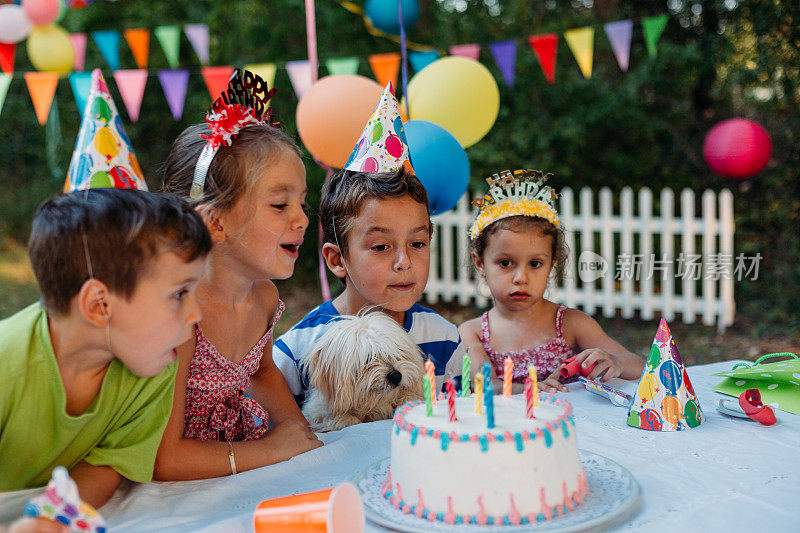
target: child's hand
<point>35,525</point>
<point>551,384</point>
<point>289,438</point>
<point>606,362</point>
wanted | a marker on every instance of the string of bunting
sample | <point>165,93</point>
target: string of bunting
<point>385,67</point>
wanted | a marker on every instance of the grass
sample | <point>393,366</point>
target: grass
<point>698,344</point>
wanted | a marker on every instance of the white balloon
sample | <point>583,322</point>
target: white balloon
<point>14,25</point>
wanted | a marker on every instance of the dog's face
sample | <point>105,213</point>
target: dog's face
<point>366,366</point>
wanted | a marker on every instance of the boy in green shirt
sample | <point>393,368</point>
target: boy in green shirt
<point>87,375</point>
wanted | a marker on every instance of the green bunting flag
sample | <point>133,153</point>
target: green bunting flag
<point>5,81</point>
<point>169,38</point>
<point>653,28</point>
<point>342,65</point>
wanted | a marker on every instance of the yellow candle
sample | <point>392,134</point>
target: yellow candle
<point>508,372</point>
<point>429,370</point>
<point>535,379</point>
<point>478,393</point>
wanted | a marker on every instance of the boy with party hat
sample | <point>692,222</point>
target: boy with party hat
<point>376,238</point>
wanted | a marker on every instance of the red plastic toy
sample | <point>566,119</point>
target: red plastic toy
<point>572,367</point>
<point>750,402</point>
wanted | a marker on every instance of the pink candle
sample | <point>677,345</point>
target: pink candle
<point>528,398</point>
<point>508,372</point>
<point>430,371</point>
<point>450,387</point>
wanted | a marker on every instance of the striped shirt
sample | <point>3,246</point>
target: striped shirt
<point>436,337</point>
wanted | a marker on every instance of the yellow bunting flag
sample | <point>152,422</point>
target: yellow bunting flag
<point>139,43</point>
<point>42,87</point>
<point>265,70</point>
<point>385,67</point>
<point>581,42</point>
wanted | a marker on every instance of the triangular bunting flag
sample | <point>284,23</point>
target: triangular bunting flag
<point>581,42</point>
<point>42,88</point>
<point>545,47</point>
<point>300,76</point>
<point>653,28</point>
<point>5,81</point>
<point>103,155</point>
<point>385,67</point>
<point>342,65</point>
<point>174,83</point>
<point>265,70</point>
<point>7,57</point>
<point>470,51</point>
<point>131,85</point>
<point>198,38</point>
<point>78,41</point>
<point>80,82</point>
<point>216,79</point>
<point>505,55</point>
<point>139,43</point>
<point>619,35</point>
<point>420,60</point>
<point>169,38</point>
<point>108,43</point>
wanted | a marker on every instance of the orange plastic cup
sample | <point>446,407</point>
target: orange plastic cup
<point>336,510</point>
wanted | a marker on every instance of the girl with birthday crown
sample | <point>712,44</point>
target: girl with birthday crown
<point>517,242</point>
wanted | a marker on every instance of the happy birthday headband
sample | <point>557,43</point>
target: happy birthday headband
<point>522,192</point>
<point>244,103</point>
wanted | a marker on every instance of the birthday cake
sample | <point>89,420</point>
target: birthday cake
<point>521,471</point>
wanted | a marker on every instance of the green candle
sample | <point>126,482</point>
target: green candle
<point>426,388</point>
<point>465,376</point>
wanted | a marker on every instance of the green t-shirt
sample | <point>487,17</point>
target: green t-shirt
<point>122,427</point>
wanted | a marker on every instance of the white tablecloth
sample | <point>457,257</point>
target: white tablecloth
<point>728,474</point>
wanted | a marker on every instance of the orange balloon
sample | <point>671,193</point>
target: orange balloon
<point>332,114</point>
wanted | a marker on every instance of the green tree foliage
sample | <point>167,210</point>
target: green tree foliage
<point>717,59</point>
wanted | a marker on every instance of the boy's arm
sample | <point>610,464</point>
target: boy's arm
<point>269,388</point>
<point>595,346</point>
<point>96,484</point>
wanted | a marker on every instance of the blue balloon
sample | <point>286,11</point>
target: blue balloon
<point>439,161</point>
<point>384,15</point>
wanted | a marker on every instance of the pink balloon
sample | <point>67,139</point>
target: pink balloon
<point>41,12</point>
<point>737,148</point>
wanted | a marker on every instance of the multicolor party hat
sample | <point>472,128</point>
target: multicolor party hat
<point>103,155</point>
<point>665,399</point>
<point>61,503</point>
<point>382,146</point>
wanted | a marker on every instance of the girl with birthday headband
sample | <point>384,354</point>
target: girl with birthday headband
<point>517,242</point>
<point>246,179</point>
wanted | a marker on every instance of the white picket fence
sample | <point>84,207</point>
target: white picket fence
<point>619,237</point>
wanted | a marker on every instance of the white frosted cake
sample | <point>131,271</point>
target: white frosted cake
<point>521,471</point>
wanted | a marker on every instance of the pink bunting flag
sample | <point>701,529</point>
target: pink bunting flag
<point>470,51</point>
<point>300,75</point>
<point>174,83</point>
<point>505,55</point>
<point>78,41</point>
<point>131,85</point>
<point>198,38</point>
<point>619,35</point>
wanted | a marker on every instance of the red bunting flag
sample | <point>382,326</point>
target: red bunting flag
<point>385,67</point>
<point>131,85</point>
<point>7,57</point>
<point>42,87</point>
<point>216,79</point>
<point>545,47</point>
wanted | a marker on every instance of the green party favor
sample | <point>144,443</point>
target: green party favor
<point>778,382</point>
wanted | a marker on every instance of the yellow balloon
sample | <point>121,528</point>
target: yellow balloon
<point>458,94</point>
<point>647,387</point>
<point>50,49</point>
<point>106,143</point>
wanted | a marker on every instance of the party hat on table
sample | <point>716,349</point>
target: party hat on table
<point>103,155</point>
<point>382,146</point>
<point>61,503</point>
<point>665,399</point>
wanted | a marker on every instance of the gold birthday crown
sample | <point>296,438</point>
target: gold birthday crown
<point>522,192</point>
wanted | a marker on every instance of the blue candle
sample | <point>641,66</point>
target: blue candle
<point>488,400</point>
<point>487,373</point>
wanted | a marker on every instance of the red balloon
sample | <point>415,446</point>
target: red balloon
<point>737,148</point>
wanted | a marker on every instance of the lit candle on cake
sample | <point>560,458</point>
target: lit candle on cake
<point>478,393</point>
<point>431,376</point>
<point>488,399</point>
<point>450,387</point>
<point>465,376</point>
<point>426,392</point>
<point>508,372</point>
<point>528,398</point>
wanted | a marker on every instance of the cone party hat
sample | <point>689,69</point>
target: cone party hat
<point>103,155</point>
<point>665,399</point>
<point>382,146</point>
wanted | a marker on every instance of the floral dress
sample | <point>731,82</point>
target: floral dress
<point>218,407</point>
<point>545,357</point>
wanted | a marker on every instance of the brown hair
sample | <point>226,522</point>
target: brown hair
<point>125,230</point>
<point>234,170</point>
<point>521,223</point>
<point>345,192</point>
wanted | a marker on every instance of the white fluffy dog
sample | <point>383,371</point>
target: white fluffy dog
<point>360,370</point>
